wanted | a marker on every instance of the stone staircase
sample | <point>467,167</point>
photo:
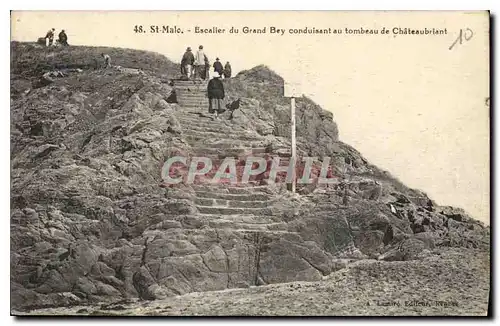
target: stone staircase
<point>234,235</point>
<point>242,209</point>
<point>238,207</point>
<point>191,93</point>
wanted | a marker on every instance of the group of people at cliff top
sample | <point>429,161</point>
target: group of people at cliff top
<point>197,66</point>
<point>62,40</point>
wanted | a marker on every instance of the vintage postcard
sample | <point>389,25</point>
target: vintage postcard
<point>250,163</point>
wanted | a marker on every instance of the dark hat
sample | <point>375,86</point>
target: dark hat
<point>200,47</point>
<point>217,59</point>
<point>188,48</point>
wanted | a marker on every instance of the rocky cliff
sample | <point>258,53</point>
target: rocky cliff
<point>92,221</point>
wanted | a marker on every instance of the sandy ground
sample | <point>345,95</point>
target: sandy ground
<point>446,282</point>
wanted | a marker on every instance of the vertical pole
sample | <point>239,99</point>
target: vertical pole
<point>294,150</point>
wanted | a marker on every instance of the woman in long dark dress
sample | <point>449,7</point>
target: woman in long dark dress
<point>216,94</point>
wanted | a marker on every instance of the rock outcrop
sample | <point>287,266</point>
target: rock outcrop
<point>92,220</point>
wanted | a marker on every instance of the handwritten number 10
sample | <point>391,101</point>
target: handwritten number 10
<point>464,34</point>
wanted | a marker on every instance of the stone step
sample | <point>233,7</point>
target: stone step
<point>194,116</point>
<point>204,120</point>
<point>229,224</point>
<point>218,159</point>
<point>212,126</point>
<point>226,143</point>
<point>191,102</point>
<point>201,107</point>
<point>193,81</point>
<point>197,98</point>
<point>273,232</point>
<point>187,101</point>
<point>239,218</point>
<point>295,236</point>
<point>230,196</point>
<point>218,132</point>
<point>195,95</point>
<point>190,87</point>
<point>208,136</point>
<point>232,203</point>
<point>216,129</point>
<point>200,140</point>
<point>204,102</point>
<point>233,210</point>
<point>228,151</point>
<point>208,121</point>
<point>192,93</point>
<point>196,119</point>
<point>243,189</point>
<point>199,113</point>
<point>230,143</point>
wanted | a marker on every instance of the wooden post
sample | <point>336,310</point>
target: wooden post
<point>294,145</point>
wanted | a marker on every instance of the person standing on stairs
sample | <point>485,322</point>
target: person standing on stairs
<point>187,62</point>
<point>199,62</point>
<point>216,94</point>
<point>227,70</point>
<point>218,67</point>
<point>207,68</point>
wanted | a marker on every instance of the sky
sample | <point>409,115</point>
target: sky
<point>408,103</point>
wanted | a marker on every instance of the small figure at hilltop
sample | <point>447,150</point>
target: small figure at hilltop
<point>50,37</point>
<point>227,70</point>
<point>63,38</point>
<point>107,60</point>
<point>216,95</point>
<point>218,67</point>
<point>187,62</point>
<point>200,62</point>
